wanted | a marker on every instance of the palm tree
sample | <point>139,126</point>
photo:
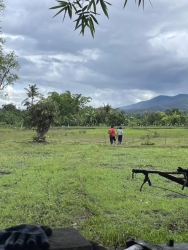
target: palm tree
<point>31,92</point>
<point>107,108</point>
<point>91,115</point>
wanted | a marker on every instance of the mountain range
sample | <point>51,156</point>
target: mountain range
<point>159,103</point>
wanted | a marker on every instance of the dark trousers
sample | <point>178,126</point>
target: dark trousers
<point>112,139</point>
<point>120,138</point>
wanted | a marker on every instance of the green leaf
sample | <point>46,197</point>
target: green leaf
<point>74,8</point>
<point>78,11</point>
<point>82,30</point>
<point>94,13</point>
<point>95,20</point>
<point>89,5</point>
<point>139,2</point>
<point>70,11</point>
<point>151,4</point>
<point>62,3</point>
<point>55,7</point>
<point>94,6</point>
<point>84,8</point>
<point>77,22</point>
<point>59,11</point>
<point>125,3</point>
<point>86,23</point>
<point>78,26</point>
<point>92,24</point>
<point>104,8</point>
<point>64,14</point>
<point>84,13</point>
<point>92,32</point>
<point>108,3</point>
<point>77,2</point>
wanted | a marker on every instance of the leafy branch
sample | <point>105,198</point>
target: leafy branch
<point>86,12</point>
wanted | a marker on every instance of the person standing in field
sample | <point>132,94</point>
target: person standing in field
<point>112,135</point>
<point>120,135</point>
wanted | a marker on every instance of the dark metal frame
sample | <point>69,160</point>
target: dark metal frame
<point>168,175</point>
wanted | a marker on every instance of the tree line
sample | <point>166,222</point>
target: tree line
<point>67,109</point>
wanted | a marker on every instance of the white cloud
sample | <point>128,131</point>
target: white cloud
<point>13,37</point>
<point>11,95</point>
<point>16,96</point>
<point>175,42</point>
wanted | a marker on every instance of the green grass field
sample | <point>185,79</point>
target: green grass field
<point>78,179</point>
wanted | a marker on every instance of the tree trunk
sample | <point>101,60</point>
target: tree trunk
<point>42,132</point>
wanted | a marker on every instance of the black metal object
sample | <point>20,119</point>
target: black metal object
<point>176,246</point>
<point>168,175</point>
<point>139,244</point>
<point>142,243</point>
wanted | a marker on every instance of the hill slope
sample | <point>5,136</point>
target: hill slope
<point>160,103</point>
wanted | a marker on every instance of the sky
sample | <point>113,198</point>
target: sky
<point>135,55</point>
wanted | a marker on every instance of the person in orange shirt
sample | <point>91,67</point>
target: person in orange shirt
<point>112,134</point>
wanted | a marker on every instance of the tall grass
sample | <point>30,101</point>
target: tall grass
<point>78,179</point>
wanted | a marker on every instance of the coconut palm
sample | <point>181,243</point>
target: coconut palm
<point>32,93</point>
<point>107,108</point>
<point>91,115</point>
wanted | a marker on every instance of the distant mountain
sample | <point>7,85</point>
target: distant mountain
<point>160,103</point>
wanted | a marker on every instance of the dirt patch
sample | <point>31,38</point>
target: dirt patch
<point>109,165</point>
<point>174,195</point>
<point>69,168</point>
<point>34,153</point>
<point>121,154</point>
<point>156,212</point>
<point>172,227</point>
<point>163,213</point>
<point>103,165</point>
<point>151,167</point>
<point>4,172</point>
<point>186,222</point>
<point>43,153</point>
<point>157,225</point>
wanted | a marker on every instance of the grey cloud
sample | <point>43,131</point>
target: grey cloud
<point>127,61</point>
<point>25,63</point>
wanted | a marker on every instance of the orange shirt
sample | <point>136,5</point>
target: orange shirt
<point>112,131</point>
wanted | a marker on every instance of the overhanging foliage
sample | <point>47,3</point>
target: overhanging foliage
<point>86,12</point>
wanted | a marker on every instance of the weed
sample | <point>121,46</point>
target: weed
<point>82,131</point>
<point>155,134</point>
<point>146,139</point>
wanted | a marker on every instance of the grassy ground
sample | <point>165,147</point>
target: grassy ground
<point>77,179</point>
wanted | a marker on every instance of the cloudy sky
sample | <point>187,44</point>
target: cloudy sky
<point>135,55</point>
